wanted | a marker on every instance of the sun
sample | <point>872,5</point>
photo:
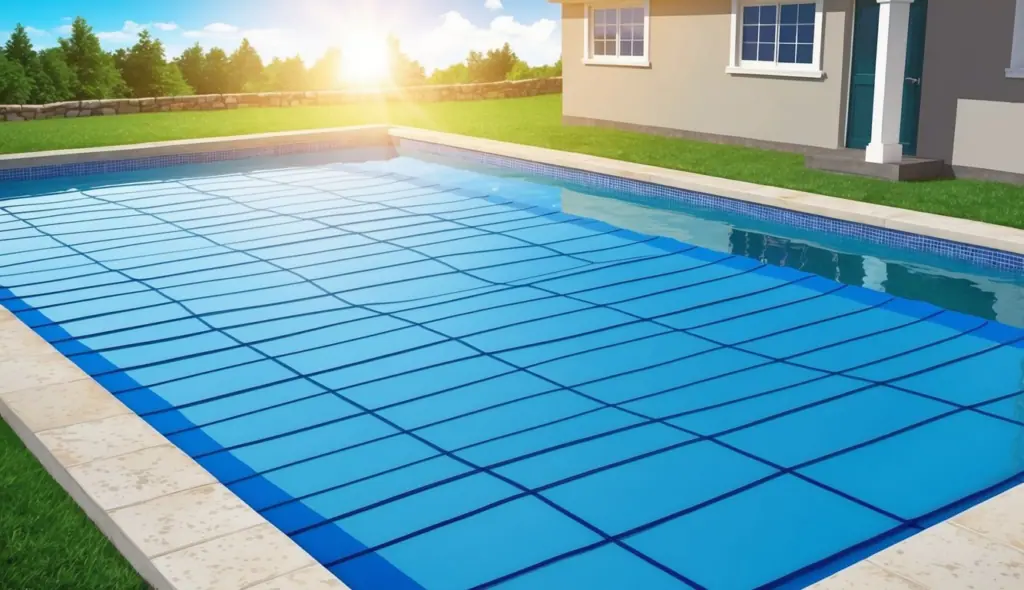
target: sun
<point>364,60</point>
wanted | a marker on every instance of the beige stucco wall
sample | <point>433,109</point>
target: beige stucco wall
<point>687,88</point>
<point>962,120</point>
<point>990,135</point>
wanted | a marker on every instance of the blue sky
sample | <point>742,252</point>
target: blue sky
<point>436,32</point>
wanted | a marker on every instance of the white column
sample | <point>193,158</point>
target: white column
<point>890,67</point>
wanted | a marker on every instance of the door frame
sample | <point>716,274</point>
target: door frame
<point>850,72</point>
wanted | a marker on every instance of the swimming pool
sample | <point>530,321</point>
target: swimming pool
<point>437,375</point>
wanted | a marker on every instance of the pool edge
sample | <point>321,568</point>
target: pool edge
<point>107,446</point>
<point>975,233</point>
<point>77,162</point>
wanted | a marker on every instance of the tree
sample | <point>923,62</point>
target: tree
<point>191,64</point>
<point>94,73</point>
<point>216,72</point>
<point>19,47</point>
<point>172,82</point>
<point>246,69</point>
<point>522,71</point>
<point>326,72</point>
<point>120,57</point>
<point>404,71</point>
<point>142,66</point>
<point>18,50</point>
<point>455,74</point>
<point>59,81</point>
<point>15,85</point>
<point>493,67</point>
<point>287,75</point>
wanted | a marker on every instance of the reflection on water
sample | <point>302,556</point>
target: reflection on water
<point>976,296</point>
<point>947,283</point>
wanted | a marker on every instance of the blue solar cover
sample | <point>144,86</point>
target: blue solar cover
<point>432,377</point>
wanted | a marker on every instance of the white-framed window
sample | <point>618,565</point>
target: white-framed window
<point>777,37</point>
<point>1016,69</point>
<point>617,33</point>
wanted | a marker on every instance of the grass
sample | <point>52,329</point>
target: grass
<point>535,121</point>
<point>46,541</point>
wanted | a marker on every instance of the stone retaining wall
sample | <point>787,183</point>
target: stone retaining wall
<point>211,102</point>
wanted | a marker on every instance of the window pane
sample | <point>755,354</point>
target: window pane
<point>750,52</point>
<point>787,53</point>
<point>626,48</point>
<point>626,33</point>
<point>599,17</point>
<point>750,14</point>
<point>787,34</point>
<point>788,13</point>
<point>804,54</point>
<point>638,48</point>
<point>767,34</point>
<point>807,13</point>
<point>768,15</point>
<point>805,34</point>
<point>638,32</point>
<point>765,52</point>
<point>750,34</point>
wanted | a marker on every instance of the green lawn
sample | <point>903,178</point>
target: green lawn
<point>535,121</point>
<point>46,541</point>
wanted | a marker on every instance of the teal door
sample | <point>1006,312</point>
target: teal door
<point>862,80</point>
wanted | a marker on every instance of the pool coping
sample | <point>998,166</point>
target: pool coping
<point>964,231</point>
<point>131,481</point>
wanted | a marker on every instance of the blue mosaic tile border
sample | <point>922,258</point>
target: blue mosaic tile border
<point>979,255</point>
<point>133,164</point>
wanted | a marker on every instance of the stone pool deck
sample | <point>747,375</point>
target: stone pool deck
<point>183,530</point>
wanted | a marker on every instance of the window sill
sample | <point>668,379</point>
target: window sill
<point>775,73</point>
<point>1015,73</point>
<point>625,63</point>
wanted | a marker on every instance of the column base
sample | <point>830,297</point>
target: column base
<point>884,153</point>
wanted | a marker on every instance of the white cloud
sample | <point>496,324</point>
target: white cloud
<point>269,43</point>
<point>537,43</point>
<point>36,32</point>
<point>63,29</point>
<point>213,30</point>
<point>493,5</point>
<point>128,32</point>
<point>165,26</point>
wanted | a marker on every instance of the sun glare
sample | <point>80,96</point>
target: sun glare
<point>364,60</point>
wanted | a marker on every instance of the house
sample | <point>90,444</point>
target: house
<point>941,80</point>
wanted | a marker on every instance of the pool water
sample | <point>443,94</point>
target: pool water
<point>439,376</point>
